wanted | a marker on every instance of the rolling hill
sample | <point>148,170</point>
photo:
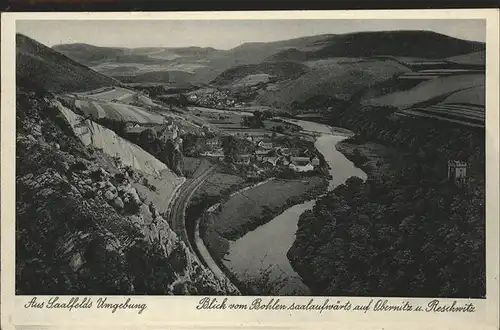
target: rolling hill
<point>281,71</point>
<point>42,67</point>
<point>88,54</point>
<point>336,81</point>
<point>396,43</point>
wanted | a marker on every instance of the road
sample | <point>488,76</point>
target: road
<point>176,216</point>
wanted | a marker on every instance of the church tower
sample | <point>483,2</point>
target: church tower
<point>457,171</point>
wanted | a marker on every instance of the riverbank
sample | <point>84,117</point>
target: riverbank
<point>373,158</point>
<point>366,156</point>
<point>245,211</point>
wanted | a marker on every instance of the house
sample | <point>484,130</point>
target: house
<point>283,151</point>
<point>216,155</point>
<point>214,142</point>
<point>243,159</point>
<point>261,152</point>
<point>271,160</point>
<point>315,162</point>
<point>135,129</point>
<point>300,161</point>
<point>282,161</point>
<point>265,145</point>
<point>301,168</point>
<point>168,132</point>
<point>252,175</point>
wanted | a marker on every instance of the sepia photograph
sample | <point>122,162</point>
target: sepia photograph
<point>264,157</point>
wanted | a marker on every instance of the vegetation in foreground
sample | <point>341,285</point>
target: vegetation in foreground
<point>82,227</point>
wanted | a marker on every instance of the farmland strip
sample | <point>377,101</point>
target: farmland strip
<point>420,114</point>
<point>111,113</point>
<point>149,117</point>
<point>137,116</point>
<point>457,110</point>
<point>124,112</point>
<point>457,114</point>
<point>101,113</point>
<point>460,107</point>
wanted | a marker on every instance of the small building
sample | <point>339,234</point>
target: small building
<point>315,162</point>
<point>282,161</point>
<point>301,168</point>
<point>243,159</point>
<point>214,142</point>
<point>300,161</point>
<point>134,129</point>
<point>283,151</point>
<point>457,171</point>
<point>271,160</point>
<point>265,145</point>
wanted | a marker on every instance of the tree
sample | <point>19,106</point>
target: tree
<point>230,148</point>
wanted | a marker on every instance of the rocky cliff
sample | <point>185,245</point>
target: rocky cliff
<point>81,225</point>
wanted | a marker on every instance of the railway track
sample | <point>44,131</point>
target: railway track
<point>176,216</point>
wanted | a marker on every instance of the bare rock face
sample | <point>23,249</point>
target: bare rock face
<point>118,203</point>
<point>79,230</point>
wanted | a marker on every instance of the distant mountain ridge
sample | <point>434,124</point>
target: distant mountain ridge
<point>90,54</point>
<point>206,63</point>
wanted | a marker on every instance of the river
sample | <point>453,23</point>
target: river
<point>264,249</point>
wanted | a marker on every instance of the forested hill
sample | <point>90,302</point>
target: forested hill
<point>38,66</point>
<point>422,44</point>
<point>408,230</point>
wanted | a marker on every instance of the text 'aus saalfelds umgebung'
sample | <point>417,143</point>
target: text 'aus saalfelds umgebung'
<point>74,303</point>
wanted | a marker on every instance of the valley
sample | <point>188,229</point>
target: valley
<point>267,169</point>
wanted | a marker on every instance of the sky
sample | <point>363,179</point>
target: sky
<point>224,34</point>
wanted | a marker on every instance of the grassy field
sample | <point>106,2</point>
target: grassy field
<point>252,80</point>
<point>122,95</point>
<point>116,111</point>
<point>474,95</point>
<point>116,93</point>
<point>217,184</point>
<point>476,58</point>
<point>430,89</point>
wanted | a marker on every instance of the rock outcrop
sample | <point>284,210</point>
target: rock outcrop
<point>81,226</point>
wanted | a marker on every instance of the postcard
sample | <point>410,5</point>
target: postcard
<point>292,170</point>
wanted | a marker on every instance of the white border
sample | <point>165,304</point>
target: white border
<point>180,311</point>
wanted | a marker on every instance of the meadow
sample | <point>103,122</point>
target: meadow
<point>242,209</point>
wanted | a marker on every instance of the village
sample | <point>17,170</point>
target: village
<point>262,156</point>
<point>215,98</point>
